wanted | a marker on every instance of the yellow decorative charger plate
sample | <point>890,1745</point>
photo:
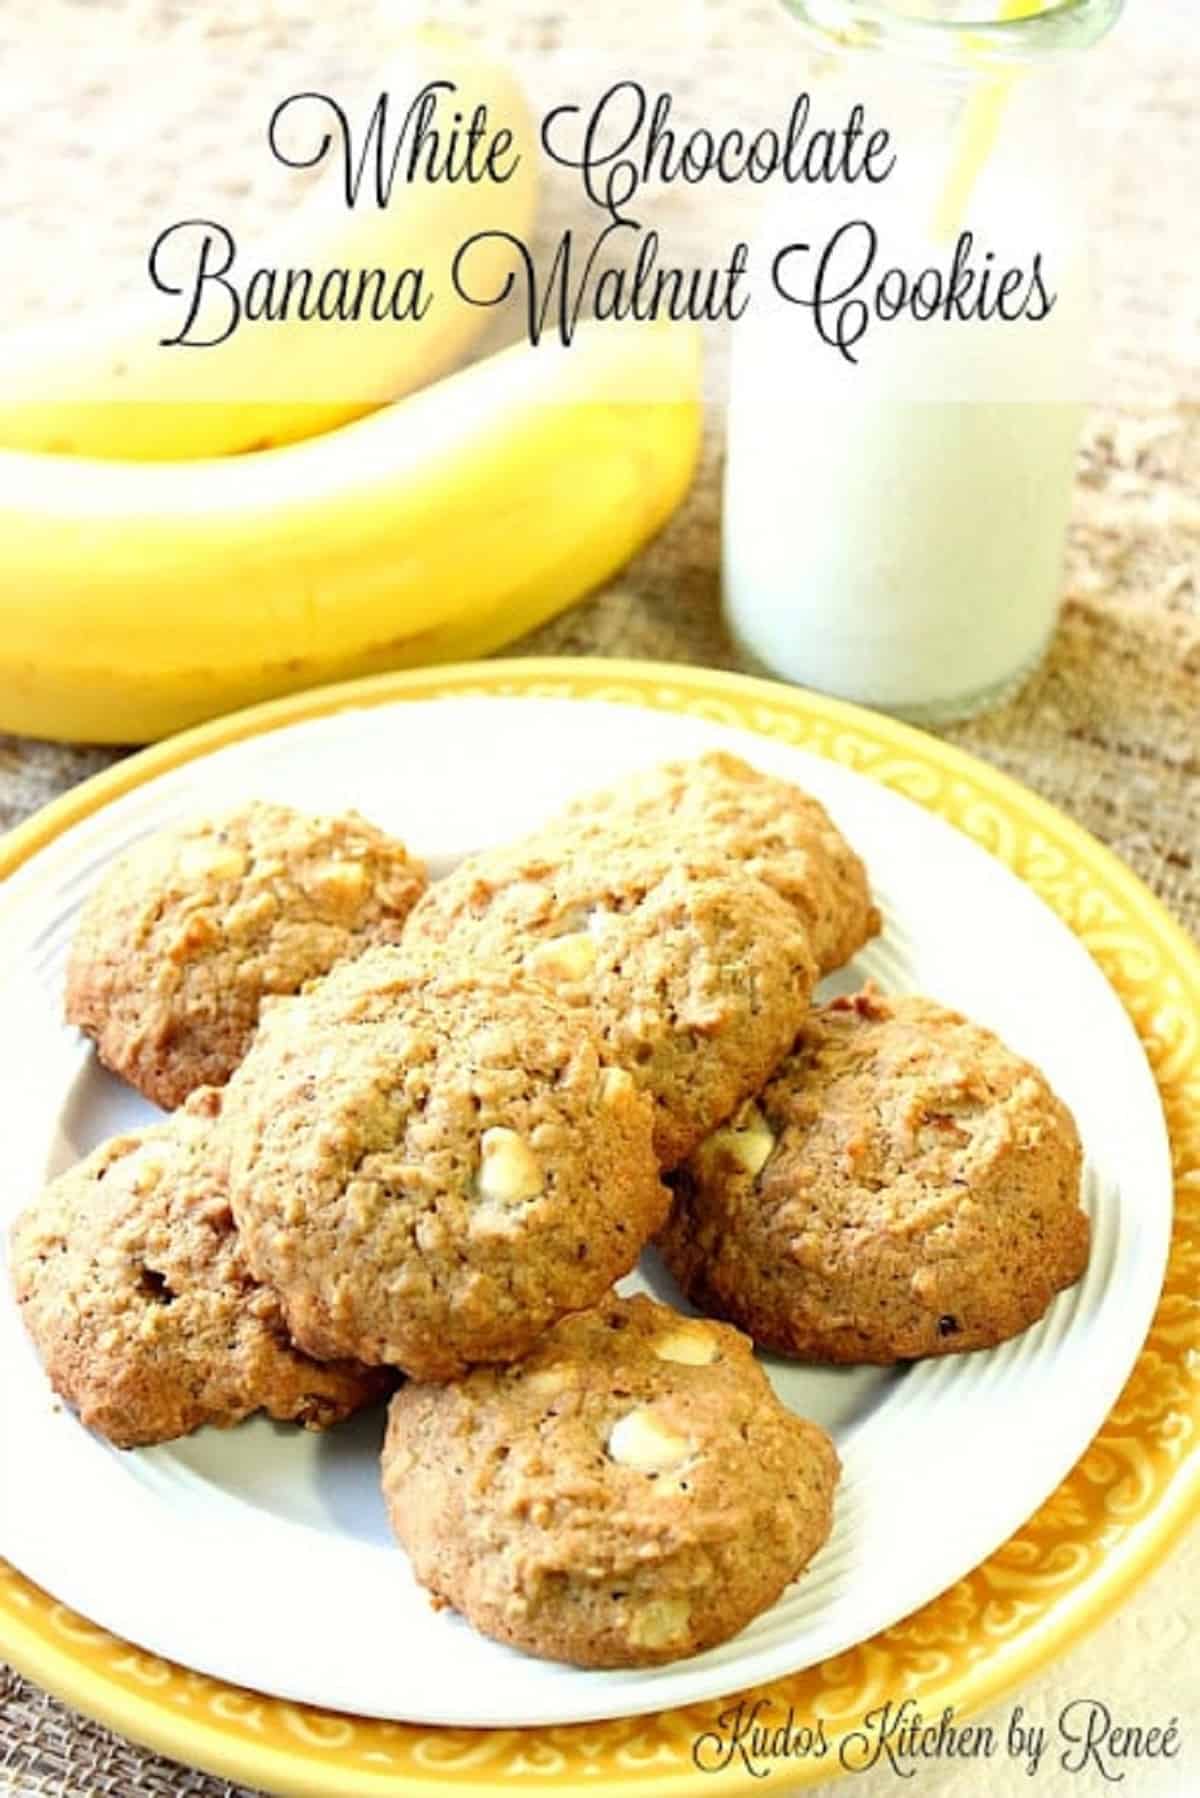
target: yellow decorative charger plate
<point>1113,1516</point>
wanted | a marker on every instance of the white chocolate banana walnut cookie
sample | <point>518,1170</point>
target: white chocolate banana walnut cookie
<point>132,1284</point>
<point>629,1493</point>
<point>904,1185</point>
<point>194,927</point>
<point>695,974</point>
<point>720,804</point>
<point>430,1169</point>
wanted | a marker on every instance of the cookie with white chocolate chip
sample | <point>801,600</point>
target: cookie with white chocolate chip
<point>629,1493</point>
<point>430,1168</point>
<point>696,974</point>
<point>131,1281</point>
<point>193,927</point>
<point>904,1185</point>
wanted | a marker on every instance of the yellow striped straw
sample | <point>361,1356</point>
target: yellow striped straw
<point>978,129</point>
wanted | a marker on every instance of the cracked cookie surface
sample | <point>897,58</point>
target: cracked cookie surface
<point>718,803</point>
<point>695,974</point>
<point>193,927</point>
<point>131,1282</point>
<point>904,1185</point>
<point>629,1493</point>
<point>431,1168</point>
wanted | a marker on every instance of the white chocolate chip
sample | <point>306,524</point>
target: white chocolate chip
<point>614,1084</point>
<point>660,1622</point>
<point>642,1441</point>
<point>750,1142</point>
<point>339,883</point>
<point>146,1170</point>
<point>207,860</point>
<point>508,1172</point>
<point>563,957</point>
<point>692,1346</point>
<point>548,1380</point>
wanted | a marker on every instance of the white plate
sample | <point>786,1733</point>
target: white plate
<point>262,1556</point>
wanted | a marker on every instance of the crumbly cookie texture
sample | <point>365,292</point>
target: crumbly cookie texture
<point>696,974</point>
<point>904,1185</point>
<point>432,1168</point>
<point>194,927</point>
<point>131,1282</point>
<point>719,803</point>
<point>630,1493</point>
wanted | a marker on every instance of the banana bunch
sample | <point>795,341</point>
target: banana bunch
<point>151,578</point>
<point>139,598</point>
<point>114,391</point>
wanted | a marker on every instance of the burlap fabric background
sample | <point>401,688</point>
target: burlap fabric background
<point>1109,728</point>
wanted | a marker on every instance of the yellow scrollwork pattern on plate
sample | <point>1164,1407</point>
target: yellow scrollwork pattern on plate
<point>1112,1516</point>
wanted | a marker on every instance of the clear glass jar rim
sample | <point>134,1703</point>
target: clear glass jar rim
<point>1059,25</point>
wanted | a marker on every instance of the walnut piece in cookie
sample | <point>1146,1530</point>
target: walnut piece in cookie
<point>193,927</point>
<point>629,1493</point>
<point>720,804</point>
<point>431,1168</point>
<point>904,1185</point>
<point>696,974</point>
<point>131,1282</point>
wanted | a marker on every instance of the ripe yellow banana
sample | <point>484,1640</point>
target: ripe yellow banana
<point>106,387</point>
<point>137,598</point>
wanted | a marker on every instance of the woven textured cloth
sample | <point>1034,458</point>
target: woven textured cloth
<point>1108,729</point>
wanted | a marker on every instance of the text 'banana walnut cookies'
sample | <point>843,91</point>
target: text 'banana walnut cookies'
<point>439,1140</point>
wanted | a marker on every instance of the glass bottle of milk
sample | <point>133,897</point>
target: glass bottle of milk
<point>894,523</point>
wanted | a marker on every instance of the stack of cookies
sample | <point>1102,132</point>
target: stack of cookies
<point>422,1130</point>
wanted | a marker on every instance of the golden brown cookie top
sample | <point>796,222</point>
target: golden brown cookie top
<point>194,926</point>
<point>901,1098</point>
<point>629,1492</point>
<point>432,1168</point>
<point>903,1185</point>
<point>695,974</point>
<point>719,804</point>
<point>132,1284</point>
